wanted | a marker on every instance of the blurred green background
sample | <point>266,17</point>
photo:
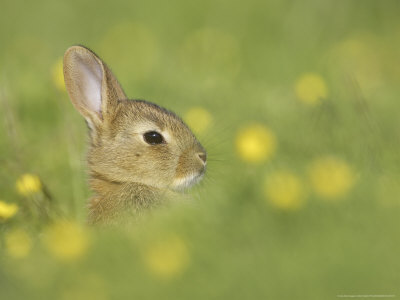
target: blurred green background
<point>297,105</point>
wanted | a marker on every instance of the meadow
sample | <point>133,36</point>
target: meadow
<point>297,105</point>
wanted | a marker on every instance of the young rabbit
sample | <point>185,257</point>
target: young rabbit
<point>139,153</point>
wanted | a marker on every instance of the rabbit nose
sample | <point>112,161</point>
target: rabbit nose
<point>203,157</point>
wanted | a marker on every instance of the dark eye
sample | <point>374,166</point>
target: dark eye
<point>153,138</point>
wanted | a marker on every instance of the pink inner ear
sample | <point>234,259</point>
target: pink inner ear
<point>91,78</point>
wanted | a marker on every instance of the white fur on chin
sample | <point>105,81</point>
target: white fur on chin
<point>188,181</point>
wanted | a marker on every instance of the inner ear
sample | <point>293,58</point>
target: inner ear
<point>91,76</point>
<point>83,75</point>
<point>93,89</point>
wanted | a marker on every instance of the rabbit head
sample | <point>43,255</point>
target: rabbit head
<point>130,140</point>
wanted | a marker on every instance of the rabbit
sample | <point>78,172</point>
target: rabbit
<point>140,153</point>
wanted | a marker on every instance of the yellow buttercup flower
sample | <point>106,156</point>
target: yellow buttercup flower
<point>311,88</point>
<point>57,74</point>
<point>28,184</point>
<point>167,258</point>
<point>7,210</point>
<point>18,244</point>
<point>255,143</point>
<point>66,240</point>
<point>331,177</point>
<point>284,190</point>
<point>198,119</point>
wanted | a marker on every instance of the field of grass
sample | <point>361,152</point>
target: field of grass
<point>297,104</point>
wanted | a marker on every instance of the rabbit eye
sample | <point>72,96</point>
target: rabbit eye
<point>153,138</point>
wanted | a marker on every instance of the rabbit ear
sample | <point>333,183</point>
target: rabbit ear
<point>92,87</point>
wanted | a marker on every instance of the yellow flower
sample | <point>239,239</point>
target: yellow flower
<point>57,74</point>
<point>331,177</point>
<point>310,88</point>
<point>66,240</point>
<point>18,244</point>
<point>198,119</point>
<point>28,184</point>
<point>7,210</point>
<point>167,258</point>
<point>255,143</point>
<point>284,190</point>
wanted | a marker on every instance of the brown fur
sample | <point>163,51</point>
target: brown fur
<point>128,175</point>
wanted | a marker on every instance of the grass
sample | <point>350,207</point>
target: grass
<point>240,63</point>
